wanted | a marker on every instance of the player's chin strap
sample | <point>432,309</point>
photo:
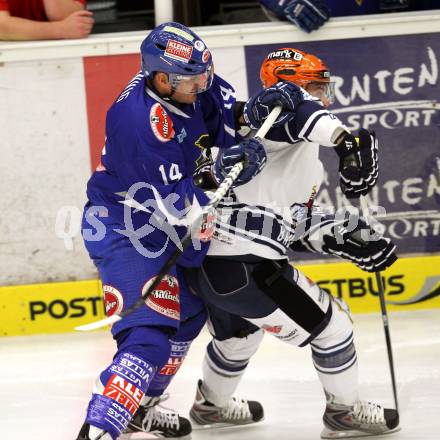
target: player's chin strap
<point>187,239</point>
<point>383,308</point>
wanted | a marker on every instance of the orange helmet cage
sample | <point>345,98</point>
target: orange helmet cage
<point>293,65</point>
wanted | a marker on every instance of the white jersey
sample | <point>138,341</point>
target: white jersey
<point>260,217</point>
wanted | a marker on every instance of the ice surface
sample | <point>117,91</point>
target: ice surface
<point>46,381</point>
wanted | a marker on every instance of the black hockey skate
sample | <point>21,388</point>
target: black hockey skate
<point>92,433</point>
<point>238,411</point>
<point>360,420</point>
<point>157,420</point>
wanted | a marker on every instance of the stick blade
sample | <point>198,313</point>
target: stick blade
<point>98,324</point>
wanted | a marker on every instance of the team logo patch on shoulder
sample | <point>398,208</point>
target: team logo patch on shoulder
<point>178,51</point>
<point>164,299</point>
<point>113,300</point>
<point>161,123</point>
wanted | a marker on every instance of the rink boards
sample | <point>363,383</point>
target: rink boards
<point>410,284</point>
<point>54,132</point>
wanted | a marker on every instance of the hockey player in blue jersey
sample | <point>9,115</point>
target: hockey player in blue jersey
<point>142,198</point>
<point>259,226</point>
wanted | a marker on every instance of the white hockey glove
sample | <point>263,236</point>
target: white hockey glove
<point>349,238</point>
<point>358,165</point>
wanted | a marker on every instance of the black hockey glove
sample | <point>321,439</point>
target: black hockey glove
<point>349,238</point>
<point>358,164</point>
<point>371,256</point>
<point>259,106</point>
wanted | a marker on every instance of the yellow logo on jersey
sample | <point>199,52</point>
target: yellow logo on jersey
<point>203,142</point>
<point>359,2</point>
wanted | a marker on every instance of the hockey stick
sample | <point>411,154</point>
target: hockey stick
<point>384,313</point>
<point>187,239</point>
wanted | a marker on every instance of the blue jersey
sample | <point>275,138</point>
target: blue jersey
<point>152,148</point>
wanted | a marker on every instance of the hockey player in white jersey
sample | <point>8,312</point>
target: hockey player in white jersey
<point>246,273</point>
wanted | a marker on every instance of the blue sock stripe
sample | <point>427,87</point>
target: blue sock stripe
<point>335,353</point>
<point>222,363</point>
<point>227,360</point>
<point>221,371</point>
<point>340,369</point>
<point>332,347</point>
<point>335,359</point>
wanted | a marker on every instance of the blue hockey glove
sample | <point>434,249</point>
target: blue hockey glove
<point>259,106</point>
<point>358,166</point>
<point>308,15</point>
<point>250,151</point>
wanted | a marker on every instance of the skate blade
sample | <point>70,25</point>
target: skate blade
<point>329,434</point>
<point>148,436</point>
<point>222,425</point>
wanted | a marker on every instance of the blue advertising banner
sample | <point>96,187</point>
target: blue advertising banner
<point>390,85</point>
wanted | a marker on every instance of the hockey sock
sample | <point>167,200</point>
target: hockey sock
<point>164,376</point>
<point>180,343</point>
<point>123,386</point>
<point>224,365</point>
<point>120,387</point>
<point>334,356</point>
<point>343,384</point>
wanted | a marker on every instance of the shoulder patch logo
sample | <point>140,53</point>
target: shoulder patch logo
<point>165,298</point>
<point>113,300</point>
<point>178,51</point>
<point>161,123</point>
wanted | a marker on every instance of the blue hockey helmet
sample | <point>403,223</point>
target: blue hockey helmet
<point>174,49</point>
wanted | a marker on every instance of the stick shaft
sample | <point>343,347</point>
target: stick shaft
<point>386,329</point>
<point>384,314</point>
<point>268,122</point>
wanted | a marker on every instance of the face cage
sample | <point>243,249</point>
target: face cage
<point>322,90</point>
<point>192,84</point>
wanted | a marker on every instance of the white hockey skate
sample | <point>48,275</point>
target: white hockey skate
<point>238,411</point>
<point>360,420</point>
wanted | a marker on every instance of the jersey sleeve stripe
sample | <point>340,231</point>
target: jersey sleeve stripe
<point>311,122</point>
